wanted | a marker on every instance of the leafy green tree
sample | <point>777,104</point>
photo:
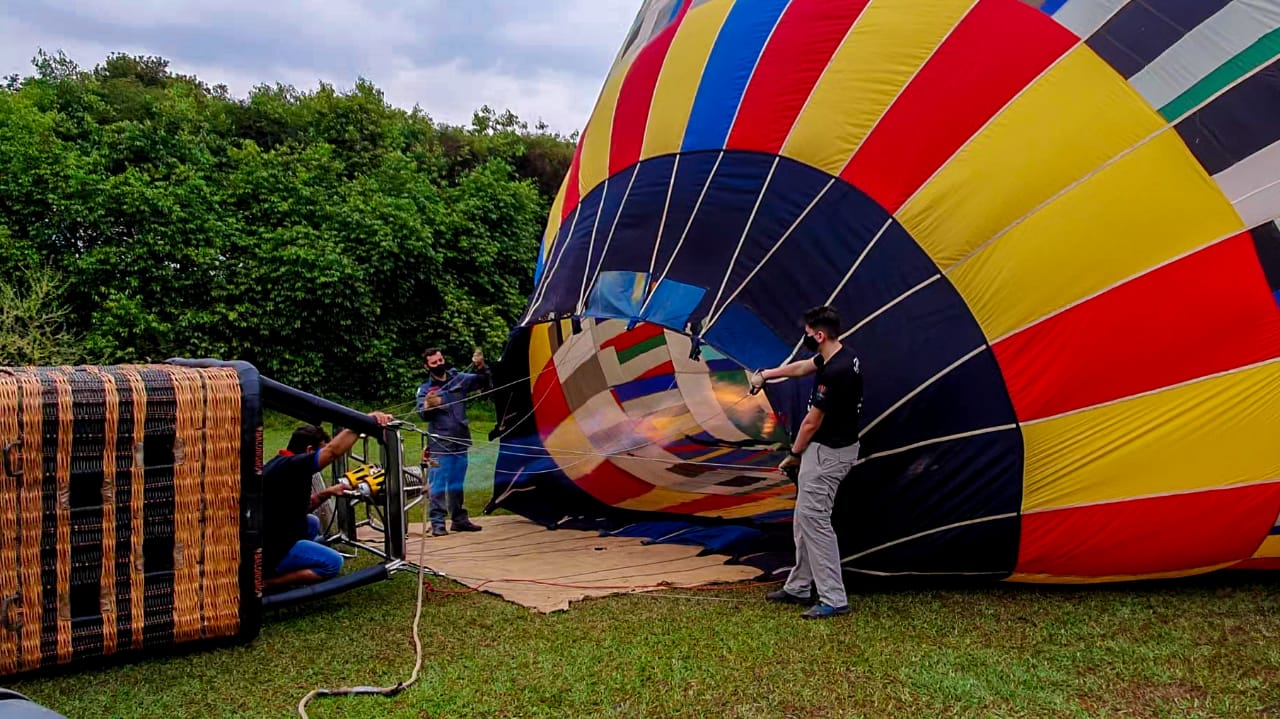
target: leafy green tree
<point>323,235</point>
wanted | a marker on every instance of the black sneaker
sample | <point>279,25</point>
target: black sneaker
<point>465,527</point>
<point>438,531</point>
<point>786,597</point>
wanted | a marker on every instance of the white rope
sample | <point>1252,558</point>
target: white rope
<point>389,691</point>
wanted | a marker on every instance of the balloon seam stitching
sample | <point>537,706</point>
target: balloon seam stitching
<point>830,61</point>
<point>990,120</point>
<point>1150,392</point>
<point>1172,125</point>
<point>902,90</point>
<point>927,532</point>
<point>1154,495</point>
<point>907,397</point>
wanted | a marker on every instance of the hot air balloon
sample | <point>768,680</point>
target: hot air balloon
<point>1049,228</point>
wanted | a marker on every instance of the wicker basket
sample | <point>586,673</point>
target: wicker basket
<point>128,506</point>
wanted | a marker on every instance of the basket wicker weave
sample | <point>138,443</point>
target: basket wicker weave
<point>124,511</point>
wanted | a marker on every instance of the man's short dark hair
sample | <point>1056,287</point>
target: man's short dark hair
<point>823,319</point>
<point>430,351</point>
<point>308,435</point>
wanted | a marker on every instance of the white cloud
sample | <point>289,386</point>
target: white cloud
<point>543,59</point>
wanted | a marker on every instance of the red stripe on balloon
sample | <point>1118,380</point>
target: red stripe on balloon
<point>629,338</point>
<point>1148,536</point>
<point>712,502</point>
<point>1268,564</point>
<point>992,54</point>
<point>1209,312</point>
<point>662,370</point>
<point>807,35</point>
<point>571,192</point>
<point>612,485</point>
<point>635,99</point>
<point>551,406</point>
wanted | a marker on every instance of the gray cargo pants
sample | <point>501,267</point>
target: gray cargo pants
<point>822,469</point>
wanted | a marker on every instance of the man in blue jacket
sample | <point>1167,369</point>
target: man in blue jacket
<point>442,403</point>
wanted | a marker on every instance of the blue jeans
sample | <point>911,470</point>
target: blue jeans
<point>446,482</point>
<point>310,554</point>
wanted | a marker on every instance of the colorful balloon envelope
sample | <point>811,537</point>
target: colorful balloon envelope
<point>1049,229</point>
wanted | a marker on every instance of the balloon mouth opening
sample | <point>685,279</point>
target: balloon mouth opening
<point>621,409</point>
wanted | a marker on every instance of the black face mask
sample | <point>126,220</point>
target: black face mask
<point>439,372</point>
<point>810,343</point>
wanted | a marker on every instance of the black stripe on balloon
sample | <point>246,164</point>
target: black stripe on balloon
<point>1140,32</point>
<point>1266,242</point>
<point>1238,123</point>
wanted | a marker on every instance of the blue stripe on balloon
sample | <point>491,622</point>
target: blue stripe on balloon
<point>1052,6</point>
<point>729,68</point>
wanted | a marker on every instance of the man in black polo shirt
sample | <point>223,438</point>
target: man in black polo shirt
<point>291,555</point>
<point>825,449</point>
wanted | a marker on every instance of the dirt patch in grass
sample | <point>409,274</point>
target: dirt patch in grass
<point>1146,700</point>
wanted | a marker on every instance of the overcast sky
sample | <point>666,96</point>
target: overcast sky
<point>540,58</point>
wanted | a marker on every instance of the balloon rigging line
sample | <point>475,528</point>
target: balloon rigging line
<point>840,287</point>
<point>886,307</point>
<point>662,223</point>
<point>858,262</point>
<point>595,277</point>
<point>414,403</point>
<point>697,206</point>
<point>553,265</point>
<point>742,239</point>
<point>927,532</point>
<point>591,246</point>
<point>907,397</point>
<point>556,259</point>
<point>755,270</point>
<point>937,440</point>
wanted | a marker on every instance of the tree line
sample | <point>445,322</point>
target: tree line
<point>325,236</point>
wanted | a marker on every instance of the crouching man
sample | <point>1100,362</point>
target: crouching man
<point>291,554</point>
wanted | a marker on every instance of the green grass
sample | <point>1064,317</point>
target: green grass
<point>1203,648</point>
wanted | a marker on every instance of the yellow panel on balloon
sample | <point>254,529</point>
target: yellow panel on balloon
<point>553,220</point>
<point>1153,205</point>
<point>539,351</point>
<point>888,44</point>
<point>595,141</point>
<point>1063,579</point>
<point>571,449</point>
<point>1052,135</point>
<point>750,510</point>
<point>1217,432</point>
<point>659,498</point>
<point>1270,548</point>
<point>679,78</point>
